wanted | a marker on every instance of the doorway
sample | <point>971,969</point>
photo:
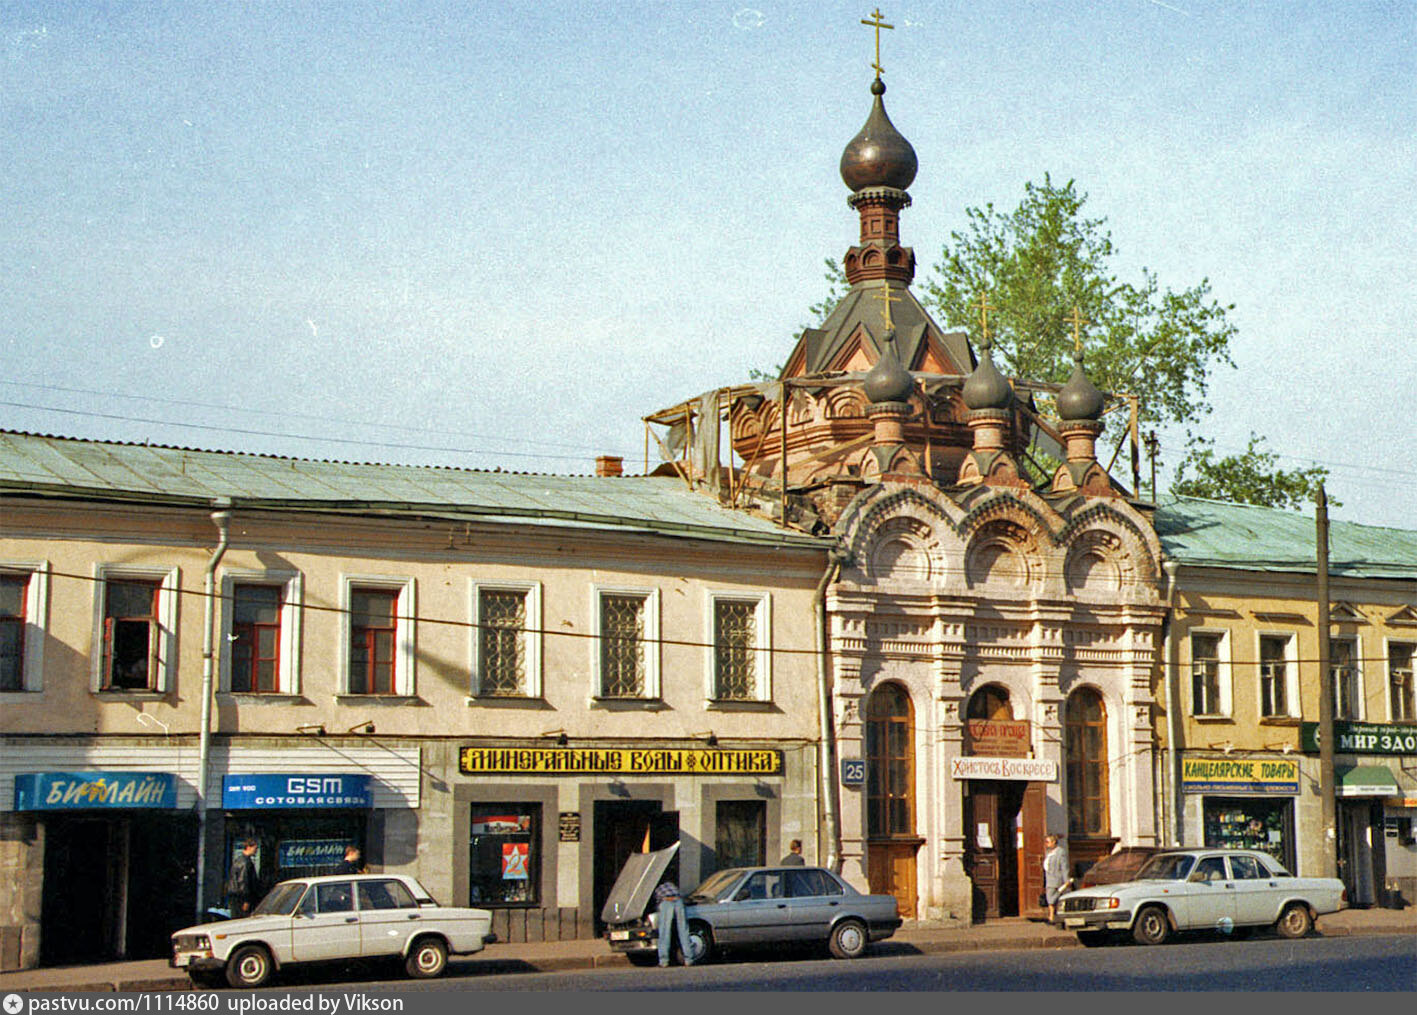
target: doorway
<point>623,827</point>
<point>1362,853</point>
<point>993,834</point>
<point>891,839</point>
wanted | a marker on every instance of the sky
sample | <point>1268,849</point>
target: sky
<point>497,235</point>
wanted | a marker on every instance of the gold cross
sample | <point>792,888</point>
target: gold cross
<point>1078,321</point>
<point>878,24</point>
<point>984,314</point>
<point>884,295</point>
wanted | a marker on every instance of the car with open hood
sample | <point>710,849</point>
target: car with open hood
<point>1201,889</point>
<point>747,907</point>
<point>373,917</point>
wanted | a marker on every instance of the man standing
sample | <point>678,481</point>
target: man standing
<point>243,889</point>
<point>671,919</point>
<point>794,855</point>
<point>352,863</point>
<point>1055,873</point>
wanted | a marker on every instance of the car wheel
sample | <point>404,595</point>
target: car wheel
<point>1093,938</point>
<point>249,966</point>
<point>1295,921</point>
<point>699,949</point>
<point>1151,927</point>
<point>427,958</point>
<point>848,940</point>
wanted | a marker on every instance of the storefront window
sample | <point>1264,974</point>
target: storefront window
<point>740,827</point>
<point>504,865</point>
<point>1252,823</point>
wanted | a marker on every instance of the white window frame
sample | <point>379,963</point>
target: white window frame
<point>1387,675</point>
<point>1223,674</point>
<point>534,625</point>
<point>169,582</point>
<point>1359,694</point>
<point>292,597</point>
<point>405,612</point>
<point>36,623</point>
<point>762,651</point>
<point>652,690</point>
<point>1291,675</point>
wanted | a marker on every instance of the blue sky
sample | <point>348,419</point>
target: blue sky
<point>496,235</point>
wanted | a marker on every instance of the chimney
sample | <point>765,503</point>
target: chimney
<point>609,465</point>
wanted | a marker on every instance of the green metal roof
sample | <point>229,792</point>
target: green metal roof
<point>68,467</point>
<point>1240,536</point>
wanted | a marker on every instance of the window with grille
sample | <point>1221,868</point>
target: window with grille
<point>622,646</point>
<point>14,589</point>
<point>502,614</point>
<point>1400,681</point>
<point>130,635</point>
<point>1205,674</point>
<point>373,640</point>
<point>1085,757</point>
<point>735,645</point>
<point>890,763</point>
<point>1274,676</point>
<point>255,638</point>
<point>1343,665</point>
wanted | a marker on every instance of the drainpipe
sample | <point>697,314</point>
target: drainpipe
<point>222,519</point>
<point>1171,801</point>
<point>826,743</point>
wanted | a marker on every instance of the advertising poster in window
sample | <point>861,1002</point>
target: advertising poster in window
<point>514,860</point>
<point>504,854</point>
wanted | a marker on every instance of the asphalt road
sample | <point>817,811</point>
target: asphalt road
<point>1315,964</point>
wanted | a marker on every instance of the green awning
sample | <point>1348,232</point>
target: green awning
<point>1366,780</point>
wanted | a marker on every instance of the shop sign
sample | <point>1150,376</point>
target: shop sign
<point>997,738</point>
<point>617,761</point>
<point>1361,738</point>
<point>249,792</point>
<point>570,826</point>
<point>1242,775</point>
<point>61,791</point>
<point>1015,769</point>
<point>292,853</point>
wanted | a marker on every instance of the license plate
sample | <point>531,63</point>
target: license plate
<point>181,960</point>
<point>619,935</point>
<point>1073,923</point>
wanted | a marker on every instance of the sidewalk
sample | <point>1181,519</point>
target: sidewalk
<point>915,938</point>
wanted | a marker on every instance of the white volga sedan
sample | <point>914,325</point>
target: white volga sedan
<point>324,919</point>
<point>1201,889</point>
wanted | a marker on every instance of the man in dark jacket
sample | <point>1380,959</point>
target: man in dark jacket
<point>794,855</point>
<point>243,884</point>
<point>353,862</point>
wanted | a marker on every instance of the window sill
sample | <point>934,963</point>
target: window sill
<point>1213,719</point>
<point>629,704</point>
<point>1280,720</point>
<point>378,699</point>
<point>112,694</point>
<point>260,697</point>
<point>738,705</point>
<point>32,693</point>
<point>506,701</point>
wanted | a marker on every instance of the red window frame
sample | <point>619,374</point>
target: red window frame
<point>377,674</point>
<point>113,625</point>
<point>246,655</point>
<point>12,633</point>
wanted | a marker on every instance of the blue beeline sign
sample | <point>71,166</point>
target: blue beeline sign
<point>254,792</point>
<point>66,791</point>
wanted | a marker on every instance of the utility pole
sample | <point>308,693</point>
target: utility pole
<point>1152,445</point>
<point>1328,805</point>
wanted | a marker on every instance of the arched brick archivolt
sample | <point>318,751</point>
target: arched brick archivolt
<point>901,524</point>
<point>1113,538</point>
<point>844,403</point>
<point>1003,553</point>
<point>1098,565</point>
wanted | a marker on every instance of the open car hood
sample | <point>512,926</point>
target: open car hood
<point>638,879</point>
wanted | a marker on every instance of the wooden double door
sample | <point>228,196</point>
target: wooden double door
<point>1004,825</point>
<point>890,870</point>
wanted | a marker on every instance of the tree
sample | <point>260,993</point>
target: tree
<point>1248,478</point>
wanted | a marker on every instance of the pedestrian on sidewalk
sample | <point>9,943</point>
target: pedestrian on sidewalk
<point>671,919</point>
<point>243,884</point>
<point>352,862</point>
<point>1055,873</point>
<point>794,855</point>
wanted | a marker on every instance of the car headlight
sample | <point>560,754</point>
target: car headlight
<point>1111,903</point>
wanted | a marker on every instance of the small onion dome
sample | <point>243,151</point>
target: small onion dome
<point>1079,398</point>
<point>985,387</point>
<point>888,381</point>
<point>878,156</point>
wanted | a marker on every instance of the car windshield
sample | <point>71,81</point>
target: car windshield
<point>715,885</point>
<point>1166,867</point>
<point>280,900</point>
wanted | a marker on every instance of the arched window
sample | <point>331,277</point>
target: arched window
<point>991,702</point>
<point>1085,751</point>
<point>890,763</point>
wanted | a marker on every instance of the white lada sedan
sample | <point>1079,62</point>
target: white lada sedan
<point>1201,889</point>
<point>325,919</point>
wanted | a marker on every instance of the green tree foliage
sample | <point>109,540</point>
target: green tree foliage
<point>1248,478</point>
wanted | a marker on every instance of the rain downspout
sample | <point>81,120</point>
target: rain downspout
<point>222,519</point>
<point>826,742</point>
<point>1170,799</point>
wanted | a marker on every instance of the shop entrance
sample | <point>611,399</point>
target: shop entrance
<point>1003,852</point>
<point>623,827</point>
<point>115,887</point>
<point>1362,854</point>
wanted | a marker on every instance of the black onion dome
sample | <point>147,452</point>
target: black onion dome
<point>879,156</point>
<point>1079,399</point>
<point>888,381</point>
<point>985,387</point>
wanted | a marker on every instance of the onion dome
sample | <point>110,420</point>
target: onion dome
<point>888,381</point>
<point>1079,399</point>
<point>879,156</point>
<point>985,387</point>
